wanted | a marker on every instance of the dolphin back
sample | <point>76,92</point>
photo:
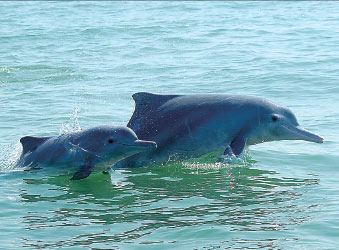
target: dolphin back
<point>146,103</point>
<point>30,143</point>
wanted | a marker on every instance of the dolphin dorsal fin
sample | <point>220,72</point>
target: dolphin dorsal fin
<point>30,143</point>
<point>151,100</point>
<point>147,102</point>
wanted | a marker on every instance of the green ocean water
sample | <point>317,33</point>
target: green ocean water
<point>71,65</point>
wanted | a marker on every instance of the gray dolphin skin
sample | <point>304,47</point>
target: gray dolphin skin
<point>186,126</point>
<point>82,152</point>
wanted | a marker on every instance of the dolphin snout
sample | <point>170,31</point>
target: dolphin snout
<point>142,145</point>
<point>299,133</point>
<point>309,136</point>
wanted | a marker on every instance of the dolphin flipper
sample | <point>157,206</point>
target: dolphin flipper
<point>236,147</point>
<point>228,151</point>
<point>83,172</point>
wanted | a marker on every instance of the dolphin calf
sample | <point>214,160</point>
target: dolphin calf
<point>83,151</point>
<point>186,126</point>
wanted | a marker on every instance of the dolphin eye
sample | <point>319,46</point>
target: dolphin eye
<point>274,118</point>
<point>110,141</point>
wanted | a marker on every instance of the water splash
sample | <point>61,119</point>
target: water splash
<point>73,124</point>
<point>205,166</point>
<point>215,160</point>
<point>243,159</point>
<point>9,156</point>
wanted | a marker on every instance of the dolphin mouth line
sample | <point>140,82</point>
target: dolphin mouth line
<point>128,145</point>
<point>303,134</point>
<point>138,146</point>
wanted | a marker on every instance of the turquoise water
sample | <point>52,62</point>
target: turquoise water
<point>65,66</point>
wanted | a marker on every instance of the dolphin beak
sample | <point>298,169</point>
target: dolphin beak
<point>143,145</point>
<point>299,133</point>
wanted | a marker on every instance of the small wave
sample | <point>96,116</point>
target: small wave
<point>91,31</point>
<point>7,69</point>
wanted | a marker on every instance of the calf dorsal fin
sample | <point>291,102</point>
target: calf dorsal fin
<point>30,143</point>
<point>147,102</point>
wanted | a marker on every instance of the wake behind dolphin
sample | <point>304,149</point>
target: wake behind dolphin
<point>96,148</point>
<point>186,126</point>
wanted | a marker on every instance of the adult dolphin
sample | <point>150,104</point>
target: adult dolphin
<point>98,148</point>
<point>185,126</point>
